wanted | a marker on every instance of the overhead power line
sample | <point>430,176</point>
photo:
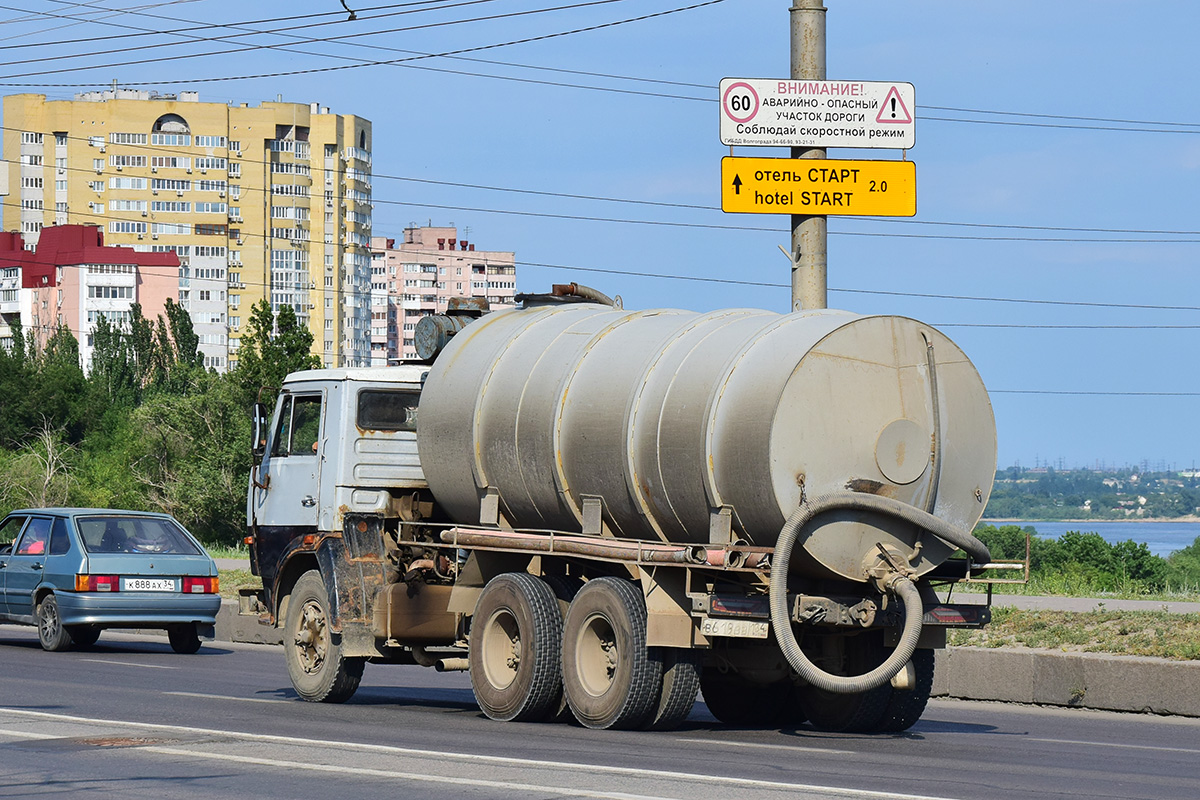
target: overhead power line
<point>335,39</point>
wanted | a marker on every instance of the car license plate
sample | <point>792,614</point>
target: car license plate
<point>148,585</point>
<point>739,628</point>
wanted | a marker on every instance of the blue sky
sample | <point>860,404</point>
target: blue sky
<point>544,134</point>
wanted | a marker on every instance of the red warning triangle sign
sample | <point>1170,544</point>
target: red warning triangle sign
<point>893,109</point>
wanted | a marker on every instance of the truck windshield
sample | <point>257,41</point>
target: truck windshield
<point>387,410</point>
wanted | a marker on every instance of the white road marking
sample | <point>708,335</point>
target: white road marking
<point>127,663</point>
<point>795,748</point>
<point>1119,744</point>
<point>424,777</point>
<point>476,758</point>
<point>228,697</point>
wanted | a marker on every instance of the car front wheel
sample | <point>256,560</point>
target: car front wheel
<point>51,632</point>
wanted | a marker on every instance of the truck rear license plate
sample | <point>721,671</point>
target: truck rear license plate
<point>739,628</point>
<point>148,585</point>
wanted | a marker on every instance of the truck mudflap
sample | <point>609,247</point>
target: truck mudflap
<point>355,573</point>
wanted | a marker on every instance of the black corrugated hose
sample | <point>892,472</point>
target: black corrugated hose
<point>899,585</point>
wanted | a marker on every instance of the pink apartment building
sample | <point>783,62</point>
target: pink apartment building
<point>72,279</point>
<point>415,276</point>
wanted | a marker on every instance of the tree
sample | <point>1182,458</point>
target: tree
<point>193,457</point>
<point>39,474</point>
<point>58,387</point>
<point>113,376</point>
<point>15,379</point>
<point>271,348</point>
<point>187,343</point>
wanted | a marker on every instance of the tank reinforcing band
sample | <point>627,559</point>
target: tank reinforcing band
<point>895,583</point>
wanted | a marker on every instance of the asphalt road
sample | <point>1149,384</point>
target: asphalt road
<point>130,719</point>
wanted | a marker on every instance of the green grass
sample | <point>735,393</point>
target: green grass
<point>239,551</point>
<point>1061,585</point>
<point>234,579</point>
<point>1157,634</point>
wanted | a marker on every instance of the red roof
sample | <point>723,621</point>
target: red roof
<point>68,246</point>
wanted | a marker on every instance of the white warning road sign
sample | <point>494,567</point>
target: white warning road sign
<point>787,113</point>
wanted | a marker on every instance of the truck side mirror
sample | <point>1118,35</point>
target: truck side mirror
<point>259,430</point>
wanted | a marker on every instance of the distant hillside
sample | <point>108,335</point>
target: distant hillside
<point>1050,494</point>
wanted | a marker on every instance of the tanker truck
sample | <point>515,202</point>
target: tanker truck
<point>600,513</point>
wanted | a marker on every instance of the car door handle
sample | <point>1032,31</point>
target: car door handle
<point>35,565</point>
<point>308,501</point>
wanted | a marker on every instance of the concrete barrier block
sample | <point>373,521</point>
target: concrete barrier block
<point>1058,678</point>
<point>1155,685</point>
<point>975,673</point>
<point>233,627</point>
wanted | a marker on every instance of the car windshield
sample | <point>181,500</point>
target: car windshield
<point>134,535</point>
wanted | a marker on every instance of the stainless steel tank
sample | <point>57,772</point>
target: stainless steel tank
<point>670,417</point>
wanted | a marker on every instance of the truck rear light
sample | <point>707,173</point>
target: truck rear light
<point>97,583</point>
<point>200,585</point>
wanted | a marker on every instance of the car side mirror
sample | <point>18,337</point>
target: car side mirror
<point>259,430</point>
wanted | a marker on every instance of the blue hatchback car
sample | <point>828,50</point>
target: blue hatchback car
<point>73,572</point>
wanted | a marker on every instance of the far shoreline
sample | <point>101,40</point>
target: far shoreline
<point>1010,521</point>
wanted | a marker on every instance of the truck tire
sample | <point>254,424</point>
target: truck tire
<point>565,587</point>
<point>611,679</point>
<point>516,649</point>
<point>51,632</point>
<point>319,671</point>
<point>736,701</point>
<point>680,683</point>
<point>860,712</point>
<point>906,707</point>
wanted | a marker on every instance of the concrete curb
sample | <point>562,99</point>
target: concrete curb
<point>1012,675</point>
<point>1075,680</point>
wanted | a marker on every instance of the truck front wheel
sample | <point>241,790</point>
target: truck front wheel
<point>319,671</point>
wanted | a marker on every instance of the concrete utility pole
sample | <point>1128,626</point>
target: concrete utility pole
<point>810,234</point>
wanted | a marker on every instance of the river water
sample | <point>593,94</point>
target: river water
<point>1163,538</point>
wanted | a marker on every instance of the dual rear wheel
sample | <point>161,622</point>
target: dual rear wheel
<point>526,657</point>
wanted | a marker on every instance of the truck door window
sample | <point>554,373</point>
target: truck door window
<point>306,425</point>
<point>299,429</point>
<point>387,410</point>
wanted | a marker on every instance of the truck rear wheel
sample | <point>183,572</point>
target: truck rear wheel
<point>860,712</point>
<point>516,647</point>
<point>612,680</point>
<point>906,707</point>
<point>734,700</point>
<point>680,683</point>
<point>319,671</point>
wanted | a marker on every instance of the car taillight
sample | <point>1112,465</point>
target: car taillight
<point>200,585</point>
<point>96,583</point>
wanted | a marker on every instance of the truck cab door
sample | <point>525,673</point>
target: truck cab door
<point>291,470</point>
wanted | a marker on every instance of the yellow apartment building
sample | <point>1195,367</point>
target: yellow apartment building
<point>268,201</point>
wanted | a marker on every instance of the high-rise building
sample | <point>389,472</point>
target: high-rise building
<point>272,201</point>
<point>71,279</point>
<point>415,276</point>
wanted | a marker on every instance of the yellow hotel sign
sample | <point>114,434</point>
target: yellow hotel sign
<point>818,187</point>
